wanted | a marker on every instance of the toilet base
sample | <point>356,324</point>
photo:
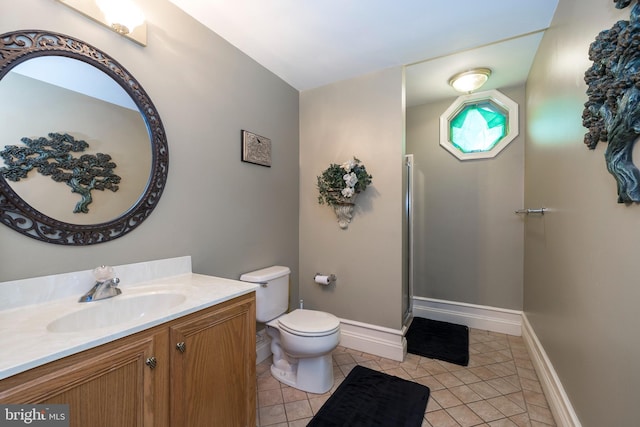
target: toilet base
<point>311,374</point>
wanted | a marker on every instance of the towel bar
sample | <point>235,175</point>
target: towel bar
<point>540,211</point>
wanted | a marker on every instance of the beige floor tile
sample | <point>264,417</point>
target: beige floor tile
<point>503,386</point>
<point>272,415</point>
<point>483,373</point>
<point>504,422</point>
<point>432,405</point>
<point>466,376</point>
<point>298,409</point>
<point>485,410</point>
<point>465,394</point>
<point>521,420</point>
<point>506,406</point>
<point>345,369</point>
<point>534,398</point>
<point>484,390</point>
<point>290,394</point>
<point>431,382</point>
<point>441,419</point>
<point>499,388</point>
<point>417,372</point>
<point>433,367</point>
<point>464,416</point>
<point>270,397</point>
<point>502,369</point>
<point>398,372</point>
<point>517,398</point>
<point>445,398</point>
<point>371,364</point>
<point>523,363</point>
<point>317,402</point>
<point>300,423</point>
<point>386,364</point>
<point>268,383</point>
<point>540,414</point>
<point>448,380</point>
<point>343,359</point>
<point>531,385</point>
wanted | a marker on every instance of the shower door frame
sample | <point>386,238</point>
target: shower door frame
<point>407,285</point>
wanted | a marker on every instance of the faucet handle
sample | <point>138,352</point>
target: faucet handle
<point>103,273</point>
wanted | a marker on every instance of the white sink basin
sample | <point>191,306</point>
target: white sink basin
<point>116,310</point>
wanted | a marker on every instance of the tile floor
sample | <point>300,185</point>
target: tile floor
<point>499,388</point>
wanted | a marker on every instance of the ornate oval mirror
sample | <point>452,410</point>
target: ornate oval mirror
<point>84,156</point>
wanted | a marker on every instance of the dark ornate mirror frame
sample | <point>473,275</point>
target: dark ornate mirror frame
<point>19,46</point>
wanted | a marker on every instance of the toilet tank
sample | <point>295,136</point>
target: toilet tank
<point>272,297</point>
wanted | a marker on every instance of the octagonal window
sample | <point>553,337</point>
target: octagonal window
<point>479,125</point>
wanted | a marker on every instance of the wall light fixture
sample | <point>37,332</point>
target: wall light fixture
<point>468,81</point>
<point>122,16</point>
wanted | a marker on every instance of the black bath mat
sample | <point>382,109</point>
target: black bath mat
<point>368,398</point>
<point>439,340</point>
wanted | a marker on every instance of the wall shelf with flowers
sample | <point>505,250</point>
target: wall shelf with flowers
<point>339,185</point>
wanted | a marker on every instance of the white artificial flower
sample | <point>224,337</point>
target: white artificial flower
<point>349,165</point>
<point>351,179</point>
<point>347,192</point>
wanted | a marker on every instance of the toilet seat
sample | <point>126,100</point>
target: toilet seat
<point>309,323</point>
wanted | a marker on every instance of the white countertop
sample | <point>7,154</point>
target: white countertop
<point>25,341</point>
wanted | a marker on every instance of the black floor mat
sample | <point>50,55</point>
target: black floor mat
<point>439,340</point>
<point>368,398</point>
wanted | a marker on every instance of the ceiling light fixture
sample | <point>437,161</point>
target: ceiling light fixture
<point>122,16</point>
<point>468,81</point>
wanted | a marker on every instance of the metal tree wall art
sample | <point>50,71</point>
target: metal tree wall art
<point>612,113</point>
<point>52,157</point>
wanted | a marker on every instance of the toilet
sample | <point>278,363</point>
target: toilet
<point>302,340</point>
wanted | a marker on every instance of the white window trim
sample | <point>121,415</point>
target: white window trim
<point>498,98</point>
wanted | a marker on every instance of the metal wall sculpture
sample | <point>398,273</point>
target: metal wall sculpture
<point>612,113</point>
<point>52,157</point>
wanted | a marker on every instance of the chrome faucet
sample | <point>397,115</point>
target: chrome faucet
<point>106,285</point>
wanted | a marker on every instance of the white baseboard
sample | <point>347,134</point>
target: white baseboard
<point>263,346</point>
<point>391,344</point>
<point>372,339</point>
<point>558,400</point>
<point>493,319</point>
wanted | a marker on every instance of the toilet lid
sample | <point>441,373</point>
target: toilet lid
<point>309,323</point>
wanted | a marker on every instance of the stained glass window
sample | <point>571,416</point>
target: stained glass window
<point>479,125</point>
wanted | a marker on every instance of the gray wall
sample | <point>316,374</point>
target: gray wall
<point>230,216</point>
<point>468,242</point>
<point>362,117</point>
<point>581,288</point>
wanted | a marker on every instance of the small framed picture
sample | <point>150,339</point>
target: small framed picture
<point>256,149</point>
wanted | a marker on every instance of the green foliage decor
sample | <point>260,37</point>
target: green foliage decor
<point>340,183</point>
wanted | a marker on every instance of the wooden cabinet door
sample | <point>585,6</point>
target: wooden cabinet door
<point>110,385</point>
<point>213,365</point>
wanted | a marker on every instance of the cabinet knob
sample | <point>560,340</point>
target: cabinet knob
<point>151,362</point>
<point>181,346</point>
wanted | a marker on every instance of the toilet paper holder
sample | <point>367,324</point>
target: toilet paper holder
<point>324,279</point>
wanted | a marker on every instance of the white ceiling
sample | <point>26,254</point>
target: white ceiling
<point>311,43</point>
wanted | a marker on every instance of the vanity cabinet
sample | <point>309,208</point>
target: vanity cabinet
<point>213,367</point>
<point>197,370</point>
